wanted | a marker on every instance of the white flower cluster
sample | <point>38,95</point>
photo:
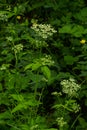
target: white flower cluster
<point>47,60</point>
<point>76,107</point>
<point>9,38</point>
<point>70,87</point>
<point>3,17</point>
<point>39,43</point>
<point>17,48</point>
<point>61,121</point>
<point>43,30</point>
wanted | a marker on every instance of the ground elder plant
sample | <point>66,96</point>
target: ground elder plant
<point>67,104</point>
<point>43,65</point>
<point>41,32</point>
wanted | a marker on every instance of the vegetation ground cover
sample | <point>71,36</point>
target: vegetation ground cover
<point>43,65</point>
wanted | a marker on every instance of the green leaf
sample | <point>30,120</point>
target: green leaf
<point>33,66</point>
<point>25,105</point>
<point>63,75</point>
<point>17,97</point>
<point>36,66</point>
<point>46,71</point>
<point>66,29</point>
<point>1,87</point>
<point>70,59</point>
<point>83,12</point>
<point>82,122</point>
<point>75,30</point>
<point>28,67</point>
<point>19,107</point>
<point>5,115</point>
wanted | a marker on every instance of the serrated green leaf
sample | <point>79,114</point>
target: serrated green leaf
<point>66,29</point>
<point>28,67</point>
<point>70,59</point>
<point>33,66</point>
<point>46,71</point>
<point>19,107</point>
<point>36,66</point>
<point>17,97</point>
<point>83,12</point>
<point>77,31</point>
<point>25,105</point>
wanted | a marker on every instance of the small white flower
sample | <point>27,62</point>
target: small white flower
<point>70,87</point>
<point>17,48</point>
<point>43,30</point>
<point>61,122</point>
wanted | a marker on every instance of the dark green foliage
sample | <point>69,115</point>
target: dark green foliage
<point>43,67</point>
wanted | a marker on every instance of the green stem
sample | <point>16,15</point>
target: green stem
<point>15,54</point>
<point>75,121</point>
<point>61,128</point>
<point>16,59</point>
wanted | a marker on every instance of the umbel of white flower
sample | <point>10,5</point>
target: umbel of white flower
<point>46,60</point>
<point>3,17</point>
<point>43,30</point>
<point>17,48</point>
<point>70,87</point>
<point>61,122</point>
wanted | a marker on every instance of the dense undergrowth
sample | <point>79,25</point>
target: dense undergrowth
<point>43,65</point>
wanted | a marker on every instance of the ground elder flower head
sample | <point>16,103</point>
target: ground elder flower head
<point>17,48</point>
<point>70,87</point>
<point>61,122</point>
<point>76,107</point>
<point>3,17</point>
<point>39,43</point>
<point>43,30</point>
<point>47,60</point>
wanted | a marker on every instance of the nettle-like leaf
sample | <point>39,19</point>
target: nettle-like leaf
<point>66,29</point>
<point>37,63</point>
<point>20,8</point>
<point>36,66</point>
<point>17,97</point>
<point>75,30</point>
<point>19,107</point>
<point>33,66</point>
<point>5,115</point>
<point>62,75</point>
<point>26,104</point>
<point>70,59</point>
<point>29,66</point>
<point>83,12</point>
<point>46,71</point>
